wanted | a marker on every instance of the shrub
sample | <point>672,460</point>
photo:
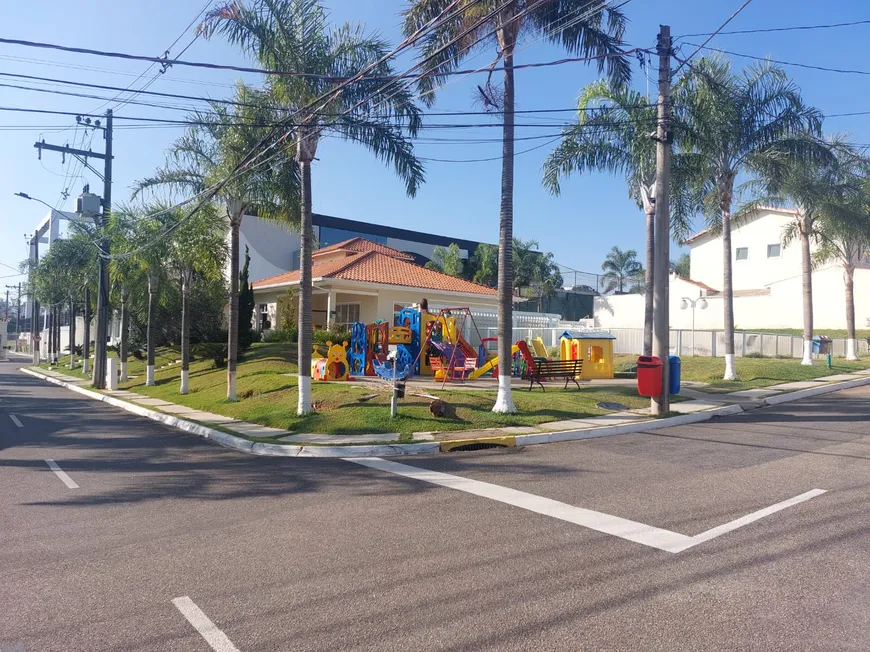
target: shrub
<point>554,352</point>
<point>217,351</point>
<point>282,335</point>
<point>755,354</point>
<point>336,336</point>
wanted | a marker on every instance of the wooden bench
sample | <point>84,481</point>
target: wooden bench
<point>570,370</point>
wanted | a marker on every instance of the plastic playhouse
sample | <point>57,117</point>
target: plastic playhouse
<point>595,348</point>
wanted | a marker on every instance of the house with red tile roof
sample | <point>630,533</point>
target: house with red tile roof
<point>361,280</point>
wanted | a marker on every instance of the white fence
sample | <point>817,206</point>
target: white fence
<point>712,343</point>
<point>527,326</point>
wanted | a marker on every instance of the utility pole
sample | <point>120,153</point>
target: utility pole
<point>101,221</point>
<point>664,139</point>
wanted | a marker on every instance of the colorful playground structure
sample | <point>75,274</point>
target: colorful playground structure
<point>432,344</point>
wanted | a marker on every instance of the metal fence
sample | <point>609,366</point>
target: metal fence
<point>712,343</point>
<point>526,326</point>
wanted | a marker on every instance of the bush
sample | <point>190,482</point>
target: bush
<point>217,351</point>
<point>554,352</point>
<point>336,336</point>
<point>282,335</point>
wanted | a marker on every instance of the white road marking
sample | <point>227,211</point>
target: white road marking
<point>59,472</point>
<point>201,623</point>
<point>16,421</point>
<point>647,535</point>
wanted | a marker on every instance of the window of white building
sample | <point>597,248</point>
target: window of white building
<point>742,253</point>
<point>346,313</point>
<point>773,251</point>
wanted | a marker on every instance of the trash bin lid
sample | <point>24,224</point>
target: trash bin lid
<point>672,359</point>
<point>649,361</point>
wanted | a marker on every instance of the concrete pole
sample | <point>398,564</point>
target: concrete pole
<point>664,137</point>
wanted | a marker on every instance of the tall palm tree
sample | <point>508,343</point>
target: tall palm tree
<point>585,27</point>
<point>620,268</point>
<point>211,153</point>
<point>292,36</point>
<point>731,123</point>
<point>612,134</point>
<point>818,187</point>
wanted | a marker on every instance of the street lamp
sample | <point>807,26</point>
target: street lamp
<point>701,303</point>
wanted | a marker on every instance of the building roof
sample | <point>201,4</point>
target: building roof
<point>361,245</point>
<point>379,268</point>
<point>703,286</point>
<point>713,230</point>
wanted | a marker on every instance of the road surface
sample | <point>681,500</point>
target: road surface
<point>745,533</point>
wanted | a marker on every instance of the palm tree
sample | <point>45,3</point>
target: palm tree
<point>585,27</point>
<point>213,155</point>
<point>612,135</point>
<point>620,269</point>
<point>197,251</point>
<point>816,187</point>
<point>732,123</point>
<point>292,35</point>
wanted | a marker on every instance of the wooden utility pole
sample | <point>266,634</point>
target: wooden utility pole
<point>664,139</point>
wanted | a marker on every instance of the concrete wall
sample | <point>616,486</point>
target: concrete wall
<point>780,307</point>
<point>272,247</point>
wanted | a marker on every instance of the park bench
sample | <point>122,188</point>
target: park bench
<point>546,369</point>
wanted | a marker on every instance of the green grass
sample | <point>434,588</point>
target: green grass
<point>266,385</point>
<point>755,372</point>
<point>833,333</point>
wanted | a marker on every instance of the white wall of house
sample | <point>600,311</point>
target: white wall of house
<point>756,236</point>
<point>779,305</point>
<point>272,247</point>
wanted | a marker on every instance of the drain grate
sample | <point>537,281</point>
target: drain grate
<point>477,447</point>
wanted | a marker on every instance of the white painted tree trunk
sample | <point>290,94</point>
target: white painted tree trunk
<point>504,402</point>
<point>231,385</point>
<point>730,369</point>
<point>304,405</point>
<point>86,366</point>
<point>124,378</point>
<point>851,349</point>
<point>149,375</point>
<point>808,353</point>
<point>185,375</point>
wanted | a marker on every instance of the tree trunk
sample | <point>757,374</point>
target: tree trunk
<point>851,340</point>
<point>649,280</point>
<point>504,402</point>
<point>236,212</point>
<point>807,286</point>
<point>86,345</point>
<point>728,284</point>
<point>152,313</point>
<point>58,320</point>
<point>306,154</point>
<point>72,334</point>
<point>50,334</point>
<point>185,332</point>
<point>125,330</point>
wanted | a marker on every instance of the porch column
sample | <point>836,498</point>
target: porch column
<point>330,309</point>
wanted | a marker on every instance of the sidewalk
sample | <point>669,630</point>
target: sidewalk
<point>263,440</point>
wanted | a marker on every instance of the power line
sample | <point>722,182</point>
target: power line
<point>710,38</point>
<point>491,158</point>
<point>845,71</point>
<point>780,29</point>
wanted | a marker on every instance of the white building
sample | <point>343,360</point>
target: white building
<point>766,282</point>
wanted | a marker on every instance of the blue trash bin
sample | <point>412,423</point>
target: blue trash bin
<point>674,364</point>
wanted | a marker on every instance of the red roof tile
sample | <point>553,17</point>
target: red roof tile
<point>361,245</point>
<point>383,269</point>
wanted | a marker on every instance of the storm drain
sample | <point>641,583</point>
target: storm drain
<point>476,447</point>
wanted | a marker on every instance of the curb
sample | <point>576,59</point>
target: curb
<point>244,445</point>
<point>815,391</point>
<point>386,450</point>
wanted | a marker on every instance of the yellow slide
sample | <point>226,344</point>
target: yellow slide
<point>538,348</point>
<point>477,373</point>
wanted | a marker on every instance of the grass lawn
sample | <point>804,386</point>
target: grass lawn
<point>266,385</point>
<point>755,372</point>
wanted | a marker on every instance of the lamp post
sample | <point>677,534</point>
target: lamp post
<point>701,303</point>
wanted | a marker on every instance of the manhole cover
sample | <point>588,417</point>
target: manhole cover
<point>617,407</point>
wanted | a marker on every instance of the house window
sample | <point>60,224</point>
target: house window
<point>742,253</point>
<point>294,260</point>
<point>773,251</point>
<point>346,313</point>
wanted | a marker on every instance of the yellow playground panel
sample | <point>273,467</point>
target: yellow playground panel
<point>594,348</point>
<point>538,348</point>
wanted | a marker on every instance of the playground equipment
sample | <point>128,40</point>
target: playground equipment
<point>594,348</point>
<point>334,366</point>
<point>376,345</point>
<point>357,353</point>
<point>490,365</point>
<point>539,349</point>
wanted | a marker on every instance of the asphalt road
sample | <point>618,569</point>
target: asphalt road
<point>284,554</point>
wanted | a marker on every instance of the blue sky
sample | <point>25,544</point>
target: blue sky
<point>579,227</point>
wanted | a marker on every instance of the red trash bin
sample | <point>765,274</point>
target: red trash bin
<point>649,375</point>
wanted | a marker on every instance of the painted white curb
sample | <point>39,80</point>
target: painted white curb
<point>244,445</point>
<point>626,428</point>
<point>815,391</point>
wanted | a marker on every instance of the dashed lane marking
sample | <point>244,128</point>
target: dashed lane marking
<point>60,473</point>
<point>218,641</point>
